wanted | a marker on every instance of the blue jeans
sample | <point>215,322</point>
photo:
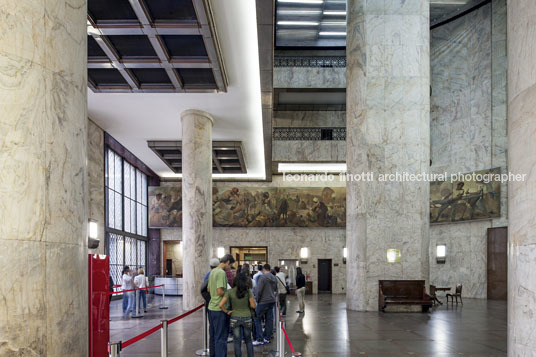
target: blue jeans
<point>131,298</point>
<point>264,311</point>
<point>242,326</point>
<point>144,299</point>
<point>218,331</point>
<point>125,302</point>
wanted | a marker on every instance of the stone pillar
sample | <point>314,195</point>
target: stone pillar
<point>196,202</point>
<point>388,131</point>
<point>522,160</point>
<point>43,180</point>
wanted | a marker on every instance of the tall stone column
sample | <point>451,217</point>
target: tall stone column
<point>43,178</point>
<point>522,160</point>
<point>196,202</point>
<point>388,131</point>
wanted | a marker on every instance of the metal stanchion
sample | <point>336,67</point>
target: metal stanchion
<point>281,339</point>
<point>114,348</point>
<point>277,322</point>
<point>163,305</point>
<point>163,339</point>
<point>205,351</point>
<point>137,309</point>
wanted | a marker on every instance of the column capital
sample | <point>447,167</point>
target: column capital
<point>197,113</point>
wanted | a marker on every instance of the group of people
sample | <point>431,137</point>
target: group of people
<point>131,280</point>
<point>242,307</point>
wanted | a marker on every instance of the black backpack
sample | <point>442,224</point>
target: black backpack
<point>204,291</point>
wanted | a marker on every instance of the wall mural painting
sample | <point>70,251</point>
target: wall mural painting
<point>466,199</point>
<point>256,207</point>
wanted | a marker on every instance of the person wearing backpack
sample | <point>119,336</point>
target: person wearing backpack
<point>283,290</point>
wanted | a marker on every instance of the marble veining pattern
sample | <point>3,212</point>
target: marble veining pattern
<point>196,201</point>
<point>43,186</point>
<point>522,159</point>
<point>468,132</point>
<point>388,80</point>
<point>300,77</point>
<point>95,152</point>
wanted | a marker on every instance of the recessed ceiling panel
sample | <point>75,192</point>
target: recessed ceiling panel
<point>110,10</point>
<point>151,76</point>
<point>171,10</point>
<point>197,77</point>
<point>185,46</point>
<point>93,49</point>
<point>106,77</point>
<point>135,46</point>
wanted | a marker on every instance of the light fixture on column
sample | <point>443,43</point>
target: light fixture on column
<point>393,255</point>
<point>282,262</point>
<point>304,254</point>
<point>92,234</point>
<point>220,252</point>
<point>441,253</point>
<point>344,255</point>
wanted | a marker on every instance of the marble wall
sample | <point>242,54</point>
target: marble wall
<point>305,77</point>
<point>95,171</point>
<point>284,243</point>
<point>387,106</point>
<point>468,132</point>
<point>522,159</point>
<point>43,186</point>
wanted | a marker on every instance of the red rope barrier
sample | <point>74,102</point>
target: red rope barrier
<point>157,327</point>
<point>185,314</point>
<point>288,341</point>
<point>140,336</point>
<point>124,291</point>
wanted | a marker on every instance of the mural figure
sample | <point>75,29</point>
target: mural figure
<point>256,207</point>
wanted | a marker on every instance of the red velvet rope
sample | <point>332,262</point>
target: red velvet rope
<point>124,291</point>
<point>185,314</point>
<point>288,341</point>
<point>140,336</point>
<point>157,327</point>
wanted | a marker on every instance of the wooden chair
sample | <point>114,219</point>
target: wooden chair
<point>433,295</point>
<point>457,294</point>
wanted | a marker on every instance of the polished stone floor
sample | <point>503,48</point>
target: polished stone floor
<point>478,328</point>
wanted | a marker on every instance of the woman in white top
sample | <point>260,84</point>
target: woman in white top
<point>129,296</point>
<point>141,282</point>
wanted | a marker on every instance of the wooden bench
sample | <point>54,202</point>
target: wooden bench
<point>403,292</point>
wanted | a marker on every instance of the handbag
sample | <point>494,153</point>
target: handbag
<point>287,288</point>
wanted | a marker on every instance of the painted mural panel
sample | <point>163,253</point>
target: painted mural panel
<point>256,207</point>
<point>474,196</point>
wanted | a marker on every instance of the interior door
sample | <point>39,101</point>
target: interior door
<point>497,263</point>
<point>324,275</point>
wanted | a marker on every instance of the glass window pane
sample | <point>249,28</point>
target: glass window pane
<point>127,214</point>
<point>112,248</point>
<point>130,252</point>
<point>133,181</point>
<point>117,173</point>
<point>144,221</point>
<point>110,173</point>
<point>144,190</point>
<point>138,218</point>
<point>138,186</point>
<point>118,212</point>
<point>127,178</point>
<point>111,209</point>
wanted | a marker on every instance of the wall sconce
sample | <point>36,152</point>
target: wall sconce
<point>92,234</point>
<point>282,262</point>
<point>344,255</point>
<point>304,254</point>
<point>393,255</point>
<point>220,252</point>
<point>441,253</point>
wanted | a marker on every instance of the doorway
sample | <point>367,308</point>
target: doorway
<point>497,263</point>
<point>324,276</point>
<point>254,256</point>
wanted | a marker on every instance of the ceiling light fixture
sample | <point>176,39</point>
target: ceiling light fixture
<point>448,2</point>
<point>297,23</point>
<point>333,23</point>
<point>334,33</point>
<point>307,167</point>
<point>314,2</point>
<point>334,13</point>
<point>299,12</point>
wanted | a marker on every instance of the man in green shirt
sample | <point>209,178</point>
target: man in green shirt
<point>219,322</point>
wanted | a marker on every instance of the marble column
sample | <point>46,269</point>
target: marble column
<point>522,160</point>
<point>388,132</point>
<point>196,202</point>
<point>43,180</point>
